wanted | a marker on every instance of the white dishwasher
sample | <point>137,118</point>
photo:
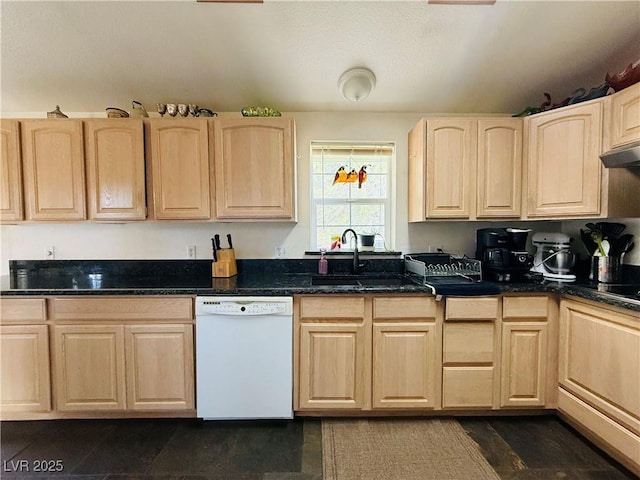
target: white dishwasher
<point>244,357</point>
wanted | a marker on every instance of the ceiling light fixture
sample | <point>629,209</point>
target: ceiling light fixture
<point>356,84</point>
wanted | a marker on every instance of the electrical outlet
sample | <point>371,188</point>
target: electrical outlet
<point>191,252</point>
<point>281,252</point>
<point>50,253</point>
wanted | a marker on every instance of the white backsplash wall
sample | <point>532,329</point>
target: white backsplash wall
<point>169,240</point>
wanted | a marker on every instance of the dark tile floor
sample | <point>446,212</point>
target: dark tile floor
<point>530,448</point>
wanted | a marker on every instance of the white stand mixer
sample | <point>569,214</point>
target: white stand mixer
<point>553,258</point>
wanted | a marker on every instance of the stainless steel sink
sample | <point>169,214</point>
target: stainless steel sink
<point>361,280</point>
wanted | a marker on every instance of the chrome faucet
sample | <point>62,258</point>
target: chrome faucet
<point>355,266</point>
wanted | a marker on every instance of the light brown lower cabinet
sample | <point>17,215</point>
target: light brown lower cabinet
<point>599,367</point>
<point>529,355</point>
<point>366,352</point>
<point>24,370</point>
<point>470,353</point>
<point>24,357</point>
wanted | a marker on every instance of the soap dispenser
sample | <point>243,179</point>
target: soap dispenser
<point>323,263</point>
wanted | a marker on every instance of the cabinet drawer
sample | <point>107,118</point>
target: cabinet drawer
<point>468,342</point>
<point>467,387</point>
<point>331,307</point>
<point>482,308</point>
<point>525,307</point>
<point>20,310</point>
<point>118,308</point>
<point>404,307</point>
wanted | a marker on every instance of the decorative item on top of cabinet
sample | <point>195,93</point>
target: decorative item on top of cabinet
<point>11,207</point>
<point>53,168</point>
<point>24,363</point>
<point>115,169</point>
<point>255,168</point>
<point>180,174</point>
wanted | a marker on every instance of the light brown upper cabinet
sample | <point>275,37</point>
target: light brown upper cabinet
<point>11,207</point>
<point>254,168</point>
<point>115,169</point>
<point>179,163</point>
<point>465,168</point>
<point>442,154</point>
<point>625,116</point>
<point>499,185</point>
<point>565,177</point>
<point>53,168</point>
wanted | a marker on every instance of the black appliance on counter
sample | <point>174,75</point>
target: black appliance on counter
<point>503,253</point>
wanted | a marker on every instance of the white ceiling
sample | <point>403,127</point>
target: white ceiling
<point>86,56</point>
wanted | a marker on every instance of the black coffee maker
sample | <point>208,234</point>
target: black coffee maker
<point>503,253</point>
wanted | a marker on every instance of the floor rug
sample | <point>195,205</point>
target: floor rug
<point>401,449</point>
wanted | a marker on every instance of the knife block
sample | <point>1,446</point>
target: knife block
<point>226,264</point>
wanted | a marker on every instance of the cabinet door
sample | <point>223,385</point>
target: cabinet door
<point>524,372</point>
<point>160,370</point>
<point>11,174</point>
<point>600,360</point>
<point>625,116</point>
<point>53,167</point>
<point>24,368</point>
<point>180,168</point>
<point>405,365</point>
<point>450,173</point>
<point>115,169</point>
<point>335,366</point>
<point>499,190</point>
<point>254,168</point>
<point>89,367</point>
<point>417,182</point>
<point>564,168</point>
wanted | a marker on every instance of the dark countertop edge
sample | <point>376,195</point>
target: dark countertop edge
<point>506,288</point>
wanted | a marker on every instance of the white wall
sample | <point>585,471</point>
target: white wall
<point>168,240</point>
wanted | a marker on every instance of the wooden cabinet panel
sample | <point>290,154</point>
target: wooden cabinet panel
<point>472,308</point>
<point>11,206</point>
<point>160,367</point>
<point>525,307</point>
<point>122,308</point>
<point>524,362</point>
<point>450,176</point>
<point>335,366</point>
<point>499,181</point>
<point>89,367</point>
<point>467,387</point>
<point>115,169</point>
<point>405,365</point>
<point>53,167</point>
<point>24,368</point>
<point>22,310</point>
<point>468,342</point>
<point>179,151</point>
<point>255,165</point>
<point>625,116</point>
<point>416,308</point>
<point>600,360</point>
<point>332,306</point>
<point>564,168</point>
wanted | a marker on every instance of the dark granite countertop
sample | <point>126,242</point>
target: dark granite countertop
<point>255,278</point>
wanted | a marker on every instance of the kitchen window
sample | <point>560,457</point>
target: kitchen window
<point>351,188</point>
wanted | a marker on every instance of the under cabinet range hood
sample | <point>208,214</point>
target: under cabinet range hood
<point>626,156</point>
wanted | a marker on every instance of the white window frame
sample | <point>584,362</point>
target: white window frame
<point>388,202</point>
